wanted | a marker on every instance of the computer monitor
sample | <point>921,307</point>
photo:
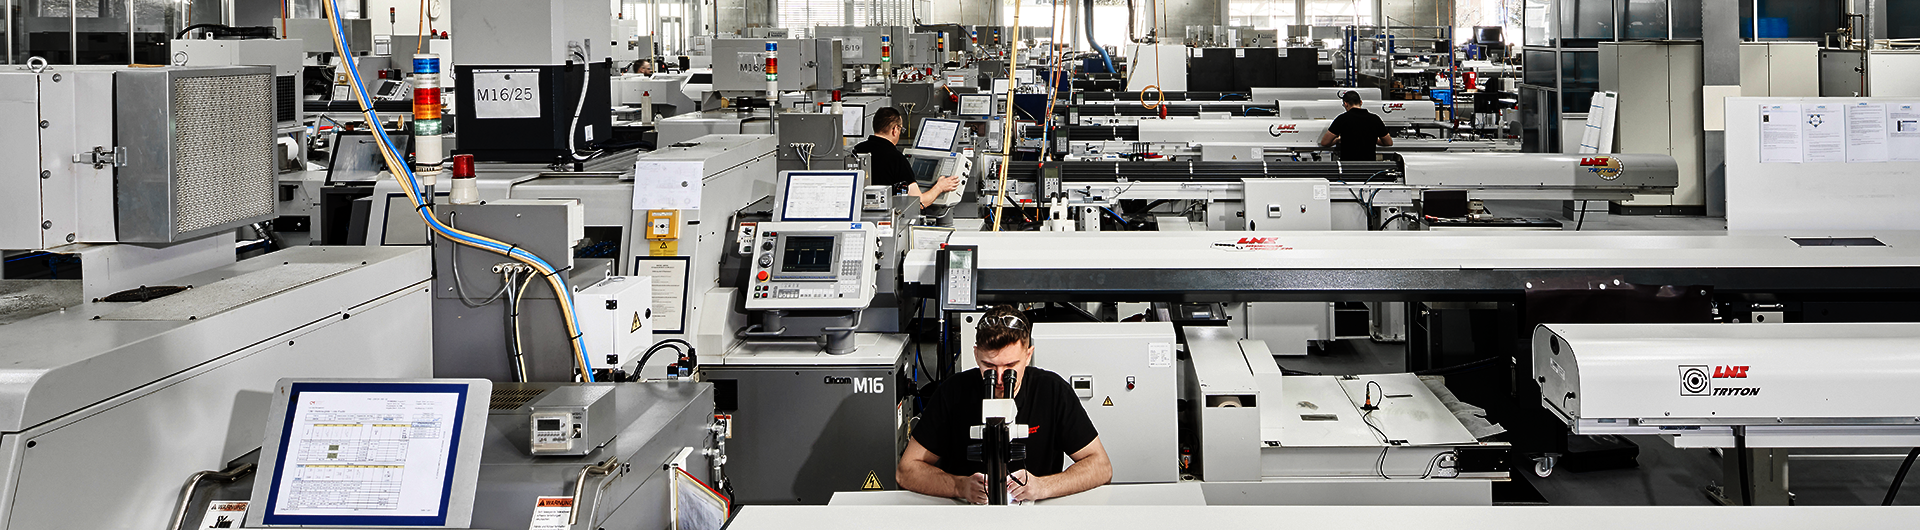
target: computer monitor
<point>1025,76</point>
<point>818,196</point>
<point>938,135</point>
<point>1487,34</point>
<point>356,156</point>
<point>976,105</point>
<point>1001,86</point>
<point>360,452</point>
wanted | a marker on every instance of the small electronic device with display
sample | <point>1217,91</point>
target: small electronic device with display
<point>391,90</point>
<point>818,195</point>
<point>958,292</point>
<point>371,453</point>
<point>572,420</point>
<point>975,105</point>
<point>813,265</point>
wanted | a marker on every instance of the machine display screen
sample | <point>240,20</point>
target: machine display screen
<point>976,104</point>
<point>938,135</point>
<point>362,453</point>
<point>546,424</point>
<point>925,170</point>
<point>808,254</point>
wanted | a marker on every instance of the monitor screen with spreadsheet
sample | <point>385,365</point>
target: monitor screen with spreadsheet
<point>396,453</point>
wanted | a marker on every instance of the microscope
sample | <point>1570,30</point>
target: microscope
<point>996,433</point>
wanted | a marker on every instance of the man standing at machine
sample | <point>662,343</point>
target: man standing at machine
<point>1357,131</point>
<point>890,168</point>
<point>936,463</point>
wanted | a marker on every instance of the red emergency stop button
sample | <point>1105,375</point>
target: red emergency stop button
<point>762,276</point>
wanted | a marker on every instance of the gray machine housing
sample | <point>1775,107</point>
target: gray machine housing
<point>316,34</point>
<point>56,201</point>
<point>653,424</point>
<point>152,392</point>
<point>820,130</point>
<point>549,32</point>
<point>920,48</point>
<point>805,429</point>
<point>805,64</point>
<point>1124,373</point>
<point>470,341</point>
<point>861,44</point>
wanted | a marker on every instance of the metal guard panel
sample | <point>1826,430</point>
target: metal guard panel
<point>1763,374</point>
<point>59,363</point>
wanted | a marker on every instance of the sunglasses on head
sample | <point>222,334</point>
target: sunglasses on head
<point>1003,321</point>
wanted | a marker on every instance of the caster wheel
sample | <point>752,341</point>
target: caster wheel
<point>1543,466</point>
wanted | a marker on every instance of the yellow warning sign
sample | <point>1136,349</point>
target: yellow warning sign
<point>663,247</point>
<point>873,482</point>
<point>636,323</point>
<point>1109,402</point>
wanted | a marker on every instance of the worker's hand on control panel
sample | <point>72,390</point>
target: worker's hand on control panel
<point>972,489</point>
<point>945,184</point>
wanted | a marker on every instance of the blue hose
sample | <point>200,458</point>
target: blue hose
<point>1096,45</point>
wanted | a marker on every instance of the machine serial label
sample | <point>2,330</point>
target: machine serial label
<point>506,94</point>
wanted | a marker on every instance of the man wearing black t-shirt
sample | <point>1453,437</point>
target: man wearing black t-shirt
<point>936,463</point>
<point>890,168</point>
<point>1357,131</point>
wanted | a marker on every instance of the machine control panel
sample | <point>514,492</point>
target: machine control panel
<point>957,268</point>
<point>813,265</point>
<point>555,433</point>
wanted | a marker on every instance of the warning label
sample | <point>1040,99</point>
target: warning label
<point>873,481</point>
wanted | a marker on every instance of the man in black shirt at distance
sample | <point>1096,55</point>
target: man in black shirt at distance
<point>890,168</point>
<point>1357,131</point>
<point>935,462</point>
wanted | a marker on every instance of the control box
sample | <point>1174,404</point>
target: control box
<point>616,321</point>
<point>813,265</point>
<point>572,420</point>
<point>930,166</point>
<point>1125,376</point>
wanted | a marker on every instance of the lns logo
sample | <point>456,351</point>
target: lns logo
<point>1389,108</point>
<point>1278,129</point>
<point>1697,380</point>
<point>1252,243</point>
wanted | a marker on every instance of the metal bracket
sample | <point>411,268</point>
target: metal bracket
<point>102,156</point>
